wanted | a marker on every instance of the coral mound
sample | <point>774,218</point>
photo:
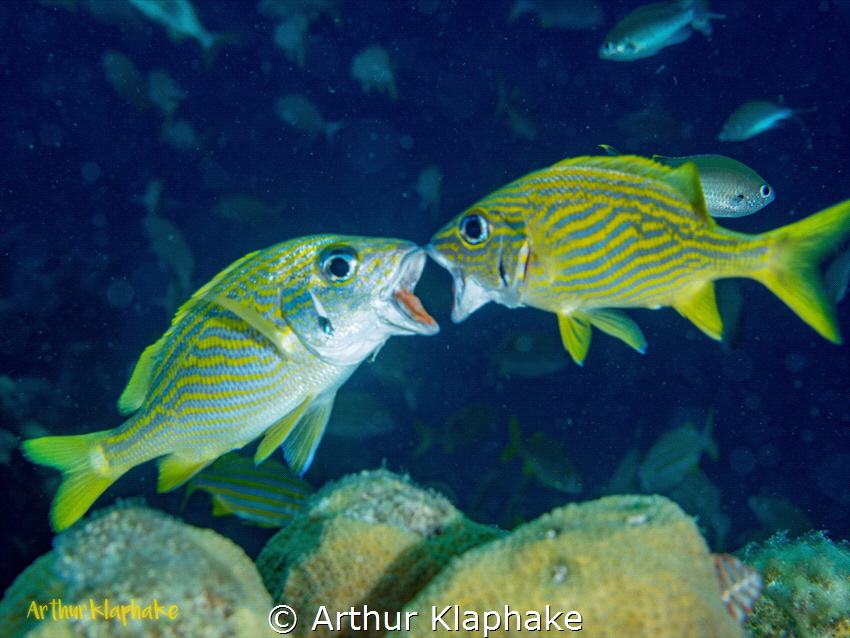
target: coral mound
<point>370,539</point>
<point>807,587</point>
<point>203,583</point>
<point>630,565</point>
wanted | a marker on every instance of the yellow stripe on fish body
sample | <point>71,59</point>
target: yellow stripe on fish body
<point>595,233</point>
<point>268,494</point>
<point>260,349</point>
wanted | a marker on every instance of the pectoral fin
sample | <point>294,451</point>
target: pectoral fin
<point>300,446</point>
<point>701,309</point>
<point>575,335</point>
<point>254,319</point>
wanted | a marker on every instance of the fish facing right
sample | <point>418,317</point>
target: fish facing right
<point>590,235</point>
<point>259,350</point>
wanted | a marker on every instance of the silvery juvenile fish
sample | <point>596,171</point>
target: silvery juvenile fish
<point>259,350</point>
<point>754,117</point>
<point>595,233</point>
<point>731,189</point>
<point>650,28</point>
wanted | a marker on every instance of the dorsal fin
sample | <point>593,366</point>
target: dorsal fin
<point>137,388</point>
<point>684,179</point>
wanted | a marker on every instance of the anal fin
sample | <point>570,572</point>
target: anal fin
<point>700,308</point>
<point>174,471</point>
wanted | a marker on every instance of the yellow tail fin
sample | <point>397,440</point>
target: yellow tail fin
<point>793,273</point>
<point>86,472</point>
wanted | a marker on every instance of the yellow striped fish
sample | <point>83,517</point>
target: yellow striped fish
<point>268,494</point>
<point>259,350</point>
<point>591,234</point>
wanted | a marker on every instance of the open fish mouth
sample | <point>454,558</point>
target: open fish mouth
<point>413,316</point>
<point>467,294</point>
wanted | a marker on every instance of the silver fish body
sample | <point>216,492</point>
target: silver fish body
<point>731,189</point>
<point>650,28</point>
<point>753,118</point>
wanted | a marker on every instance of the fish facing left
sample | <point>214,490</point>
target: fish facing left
<point>592,234</point>
<point>259,350</point>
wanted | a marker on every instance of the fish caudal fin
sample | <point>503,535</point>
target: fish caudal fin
<point>86,472</point>
<point>793,273</point>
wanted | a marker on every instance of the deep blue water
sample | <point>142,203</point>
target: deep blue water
<point>68,231</point>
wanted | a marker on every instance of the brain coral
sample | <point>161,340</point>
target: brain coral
<point>136,554</point>
<point>370,539</point>
<point>630,565</point>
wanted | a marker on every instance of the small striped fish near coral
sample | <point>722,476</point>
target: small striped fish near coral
<point>740,585</point>
<point>259,350</point>
<point>593,234</point>
<point>268,494</point>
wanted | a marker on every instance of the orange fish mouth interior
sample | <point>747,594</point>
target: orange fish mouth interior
<point>414,307</point>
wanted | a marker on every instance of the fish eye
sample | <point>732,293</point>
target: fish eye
<point>474,228</point>
<point>765,191</point>
<point>609,46</point>
<point>338,264</point>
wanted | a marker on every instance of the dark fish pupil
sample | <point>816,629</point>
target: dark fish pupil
<point>765,191</point>
<point>474,229</point>
<point>338,267</point>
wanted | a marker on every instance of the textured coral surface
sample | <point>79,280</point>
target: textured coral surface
<point>134,554</point>
<point>630,565</point>
<point>371,539</point>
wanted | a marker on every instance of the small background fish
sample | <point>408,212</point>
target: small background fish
<point>268,494</point>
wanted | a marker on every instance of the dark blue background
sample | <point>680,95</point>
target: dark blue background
<point>63,240</point>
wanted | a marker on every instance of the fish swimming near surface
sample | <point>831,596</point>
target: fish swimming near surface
<point>259,350</point>
<point>730,188</point>
<point>593,234</point>
<point>755,117</point>
<point>268,494</point>
<point>650,28</point>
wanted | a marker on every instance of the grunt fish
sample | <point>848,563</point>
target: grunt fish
<point>592,234</point>
<point>676,453</point>
<point>259,350</point>
<point>650,28</point>
<point>546,459</point>
<point>269,494</point>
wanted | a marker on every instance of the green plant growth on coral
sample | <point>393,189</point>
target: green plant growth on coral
<point>806,586</point>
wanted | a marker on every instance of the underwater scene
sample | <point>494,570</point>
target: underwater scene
<point>425,305</point>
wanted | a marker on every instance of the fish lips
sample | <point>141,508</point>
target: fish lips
<point>468,294</point>
<point>408,313</point>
